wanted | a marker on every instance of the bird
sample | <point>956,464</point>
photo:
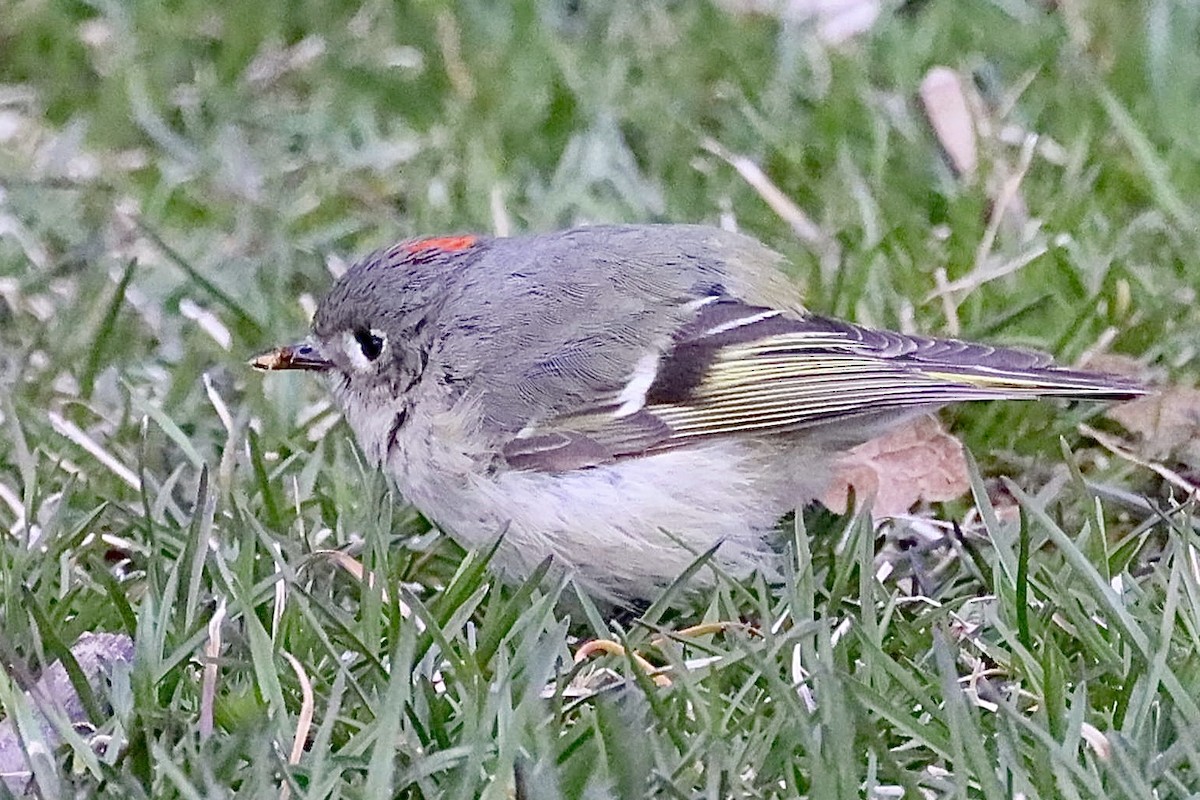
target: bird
<point>620,399</point>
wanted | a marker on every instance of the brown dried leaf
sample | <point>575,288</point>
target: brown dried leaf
<point>1114,364</point>
<point>1166,423</point>
<point>919,461</point>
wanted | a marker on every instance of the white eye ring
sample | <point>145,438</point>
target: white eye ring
<point>364,347</point>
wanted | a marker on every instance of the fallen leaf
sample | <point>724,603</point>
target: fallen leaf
<point>1114,364</point>
<point>919,461</point>
<point>1167,424</point>
<point>944,100</point>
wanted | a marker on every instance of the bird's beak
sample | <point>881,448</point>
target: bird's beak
<point>291,356</point>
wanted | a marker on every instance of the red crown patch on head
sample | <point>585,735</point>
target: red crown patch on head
<point>444,244</point>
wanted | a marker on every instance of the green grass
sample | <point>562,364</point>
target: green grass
<point>174,183</point>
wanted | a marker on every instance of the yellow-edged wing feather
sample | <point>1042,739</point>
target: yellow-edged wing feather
<point>740,369</point>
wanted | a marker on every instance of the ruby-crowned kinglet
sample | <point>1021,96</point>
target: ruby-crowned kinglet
<point>623,398</point>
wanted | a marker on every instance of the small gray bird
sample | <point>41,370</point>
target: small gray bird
<point>623,398</point>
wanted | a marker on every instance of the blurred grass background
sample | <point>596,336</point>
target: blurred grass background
<point>179,181</point>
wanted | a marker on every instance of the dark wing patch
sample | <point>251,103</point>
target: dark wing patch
<point>719,323</point>
<point>738,368</point>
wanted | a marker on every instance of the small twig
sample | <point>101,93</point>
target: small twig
<point>1008,196</point>
<point>501,223</point>
<point>73,432</point>
<point>450,43</point>
<point>976,278</point>
<point>801,224</point>
<point>945,292</point>
<point>304,721</point>
<point>208,680</point>
<point>1101,344</point>
<point>1117,448</point>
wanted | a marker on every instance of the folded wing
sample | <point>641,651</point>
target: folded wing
<point>737,368</point>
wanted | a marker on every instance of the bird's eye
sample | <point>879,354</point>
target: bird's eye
<point>370,341</point>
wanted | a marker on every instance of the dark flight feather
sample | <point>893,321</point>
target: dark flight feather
<point>737,368</point>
